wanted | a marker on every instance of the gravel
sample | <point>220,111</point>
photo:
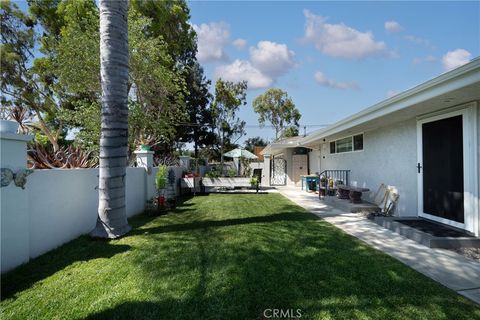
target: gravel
<point>472,253</point>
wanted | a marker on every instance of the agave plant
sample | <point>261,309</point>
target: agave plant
<point>41,157</point>
<point>23,117</point>
<point>167,160</point>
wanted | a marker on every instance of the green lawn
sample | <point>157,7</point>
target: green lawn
<point>226,257</point>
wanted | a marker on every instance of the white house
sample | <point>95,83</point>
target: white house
<point>423,141</point>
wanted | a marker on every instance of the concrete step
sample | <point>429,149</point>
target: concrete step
<point>427,239</point>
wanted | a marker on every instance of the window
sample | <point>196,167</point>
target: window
<point>358,142</point>
<point>344,145</point>
<point>348,144</point>
<point>332,147</point>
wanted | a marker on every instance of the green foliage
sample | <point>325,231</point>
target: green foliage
<point>213,174</point>
<point>84,118</point>
<point>250,143</point>
<point>161,178</point>
<point>276,107</point>
<point>254,181</point>
<point>199,115</point>
<point>24,82</point>
<point>289,132</point>
<point>65,80</point>
<point>231,172</point>
<point>229,96</point>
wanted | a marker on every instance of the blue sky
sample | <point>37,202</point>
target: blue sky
<point>333,58</point>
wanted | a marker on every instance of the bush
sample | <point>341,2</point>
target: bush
<point>213,174</point>
<point>161,177</point>
<point>231,173</point>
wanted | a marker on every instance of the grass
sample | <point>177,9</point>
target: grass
<point>226,257</point>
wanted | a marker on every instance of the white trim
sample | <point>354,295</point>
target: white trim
<point>457,78</point>
<point>469,127</point>
<point>353,144</point>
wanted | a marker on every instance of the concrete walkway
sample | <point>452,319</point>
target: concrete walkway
<point>449,268</point>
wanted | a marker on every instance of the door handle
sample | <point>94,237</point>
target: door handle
<point>419,167</point>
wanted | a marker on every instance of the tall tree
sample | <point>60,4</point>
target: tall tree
<point>197,100</point>
<point>229,96</point>
<point>289,132</point>
<point>112,217</point>
<point>253,142</point>
<point>24,82</point>
<point>276,107</point>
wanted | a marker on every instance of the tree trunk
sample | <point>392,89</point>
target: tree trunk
<point>112,215</point>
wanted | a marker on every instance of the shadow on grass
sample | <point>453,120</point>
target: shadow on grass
<point>80,249</point>
<point>204,224</point>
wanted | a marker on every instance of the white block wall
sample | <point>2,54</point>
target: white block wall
<point>60,205</point>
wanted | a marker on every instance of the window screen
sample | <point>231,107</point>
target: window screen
<point>332,147</point>
<point>344,145</point>
<point>358,142</point>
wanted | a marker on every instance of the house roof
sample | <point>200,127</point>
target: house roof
<point>291,142</point>
<point>452,88</point>
<point>458,86</point>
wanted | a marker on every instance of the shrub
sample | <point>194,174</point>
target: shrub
<point>231,173</point>
<point>213,174</point>
<point>161,177</point>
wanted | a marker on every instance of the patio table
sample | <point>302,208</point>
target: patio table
<point>350,192</point>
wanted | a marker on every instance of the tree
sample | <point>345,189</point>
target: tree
<point>112,218</point>
<point>197,100</point>
<point>251,143</point>
<point>24,82</point>
<point>289,132</point>
<point>157,87</point>
<point>229,96</point>
<point>276,107</point>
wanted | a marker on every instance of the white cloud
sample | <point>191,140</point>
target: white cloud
<point>340,40</point>
<point>272,59</point>
<point>322,79</point>
<point>239,43</point>
<point>456,58</point>
<point>212,38</point>
<point>392,26</point>
<point>240,70</point>
<point>268,61</point>
<point>429,58</point>
<point>420,41</point>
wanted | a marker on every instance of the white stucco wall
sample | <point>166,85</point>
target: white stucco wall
<point>59,205</point>
<point>389,157</point>
<point>314,161</point>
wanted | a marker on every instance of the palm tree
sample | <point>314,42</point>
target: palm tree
<point>112,217</point>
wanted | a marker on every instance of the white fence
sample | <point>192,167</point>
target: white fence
<point>58,205</point>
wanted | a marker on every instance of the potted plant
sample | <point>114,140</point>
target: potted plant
<point>161,183</point>
<point>323,185</point>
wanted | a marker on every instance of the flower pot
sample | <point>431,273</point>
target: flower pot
<point>145,147</point>
<point>8,126</point>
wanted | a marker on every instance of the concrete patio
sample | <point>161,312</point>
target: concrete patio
<point>446,267</point>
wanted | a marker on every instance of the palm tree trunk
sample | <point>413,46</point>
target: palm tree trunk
<point>112,216</point>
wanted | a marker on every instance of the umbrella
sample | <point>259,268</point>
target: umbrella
<point>240,153</point>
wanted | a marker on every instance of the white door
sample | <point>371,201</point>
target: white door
<point>445,168</point>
